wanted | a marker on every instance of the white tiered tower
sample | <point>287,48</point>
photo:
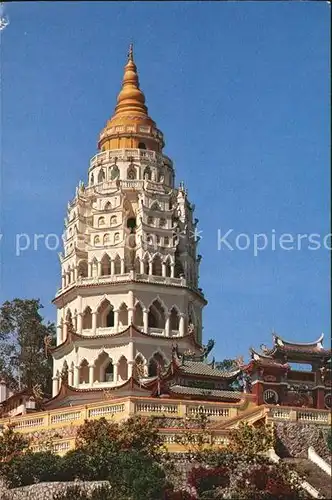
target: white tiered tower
<point>129,256</point>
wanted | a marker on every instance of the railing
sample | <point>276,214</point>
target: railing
<point>120,278</point>
<point>156,408</point>
<point>65,417</point>
<point>104,411</point>
<point>125,154</point>
<point>208,411</point>
<point>300,415</point>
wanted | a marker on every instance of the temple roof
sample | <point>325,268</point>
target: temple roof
<point>206,369</point>
<point>197,391</point>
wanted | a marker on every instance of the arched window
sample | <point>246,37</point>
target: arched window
<point>83,269</point>
<point>96,241</point>
<point>138,315</point>
<point>131,173</point>
<point>150,220</point>
<point>105,266</point>
<point>105,315</point>
<point>101,221</point>
<point>109,372</point>
<point>157,362</point>
<point>155,206</point>
<point>162,222</point>
<point>147,173</point>
<point>156,316</point>
<point>84,372</point>
<point>87,319</point>
<point>114,220</point>
<point>141,145</point>
<point>166,241</point>
<point>114,172</point>
<point>106,239</point>
<point>101,175</point>
<point>157,266</point>
<point>137,265</point>
<point>146,264</point>
<point>139,367</point>
<point>168,268</point>
<point>117,265</point>
<point>174,319</point>
<point>116,237</point>
<point>108,206</point>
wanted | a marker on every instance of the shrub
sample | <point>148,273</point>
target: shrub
<point>31,468</point>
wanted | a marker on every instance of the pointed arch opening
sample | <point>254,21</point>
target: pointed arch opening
<point>82,270</point>
<point>156,266</point>
<point>156,363</point>
<point>84,372</point>
<point>146,264</point>
<point>114,172</point>
<point>104,369</point>
<point>105,315</point>
<point>101,175</point>
<point>139,367</point>
<point>123,369</point>
<point>174,319</point>
<point>138,315</point>
<point>87,319</point>
<point>105,265</point>
<point>168,268</point>
<point>147,174</point>
<point>117,265</point>
<point>131,173</point>
<point>137,265</point>
<point>156,316</point>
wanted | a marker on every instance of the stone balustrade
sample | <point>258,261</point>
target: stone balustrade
<point>301,415</point>
<point>209,411</point>
<point>156,408</point>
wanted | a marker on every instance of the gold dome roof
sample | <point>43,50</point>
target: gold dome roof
<point>131,126</point>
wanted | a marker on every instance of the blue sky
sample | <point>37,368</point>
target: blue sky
<point>241,92</point>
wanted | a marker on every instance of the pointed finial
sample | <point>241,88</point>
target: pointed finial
<point>131,52</point>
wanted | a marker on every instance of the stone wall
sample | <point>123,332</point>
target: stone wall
<point>44,491</point>
<point>294,439</point>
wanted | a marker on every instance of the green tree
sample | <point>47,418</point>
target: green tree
<point>251,440</point>
<point>11,443</point>
<point>23,362</point>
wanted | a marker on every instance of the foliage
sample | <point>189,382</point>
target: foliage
<point>11,443</point>
<point>30,467</point>
<point>251,440</point>
<point>195,436</point>
<point>136,434</point>
<point>206,480</point>
<point>23,363</point>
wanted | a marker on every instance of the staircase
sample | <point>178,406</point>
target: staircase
<point>250,416</point>
<point>312,474</point>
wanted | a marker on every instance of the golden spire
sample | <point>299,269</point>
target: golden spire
<point>130,99</point>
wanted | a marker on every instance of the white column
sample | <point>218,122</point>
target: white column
<point>63,281</point>
<point>141,266</point>
<point>150,268</point>
<point>64,330</point>
<point>130,368</point>
<point>172,270</point>
<point>98,268</point>
<point>75,273</point>
<point>145,320</point>
<point>115,372</point>
<point>91,373</point>
<point>116,320</point>
<point>163,269</point>
<point>59,334</point>
<point>181,325</point>
<point>167,326</point>
<point>79,323</point>
<point>71,377</point>
<point>55,386</point>
<point>90,273</point>
<point>76,376</point>
<point>94,322</point>
<point>112,266</point>
<point>130,307</point>
<point>122,266</point>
